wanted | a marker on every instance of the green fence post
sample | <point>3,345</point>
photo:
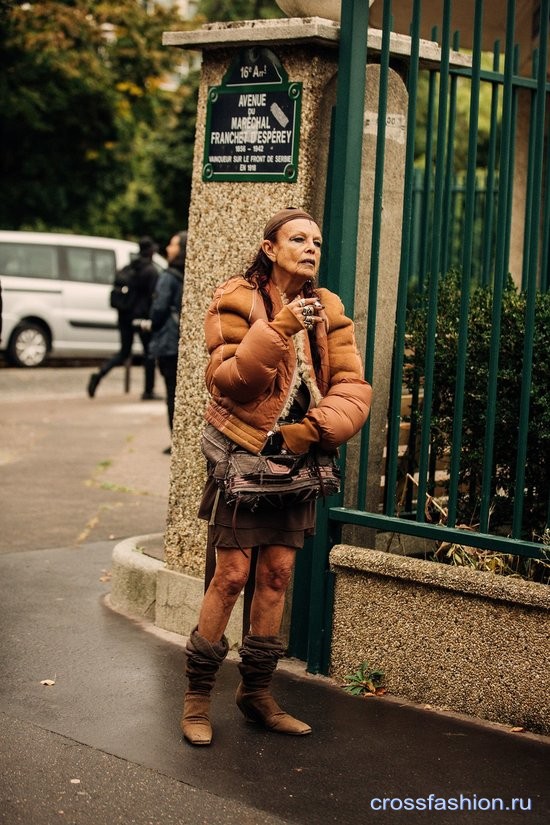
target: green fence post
<point>435,264</point>
<point>394,419</point>
<point>501,266</point>
<point>537,160</point>
<point>466,268</point>
<point>341,254</point>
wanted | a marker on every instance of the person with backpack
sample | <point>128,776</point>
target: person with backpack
<point>165,319</point>
<point>131,296</point>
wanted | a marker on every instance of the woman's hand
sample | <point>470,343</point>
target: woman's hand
<point>306,311</point>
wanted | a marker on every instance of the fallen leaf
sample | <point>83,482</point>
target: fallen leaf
<point>48,682</point>
<point>517,730</point>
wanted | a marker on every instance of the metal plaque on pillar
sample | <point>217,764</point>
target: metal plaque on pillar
<point>253,122</point>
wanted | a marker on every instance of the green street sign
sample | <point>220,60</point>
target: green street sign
<point>253,122</point>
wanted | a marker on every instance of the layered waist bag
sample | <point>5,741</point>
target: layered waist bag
<point>278,480</point>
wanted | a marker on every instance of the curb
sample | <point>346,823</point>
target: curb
<point>134,577</point>
<point>143,587</point>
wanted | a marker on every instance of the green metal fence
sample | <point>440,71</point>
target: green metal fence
<point>456,214</point>
<point>483,234</point>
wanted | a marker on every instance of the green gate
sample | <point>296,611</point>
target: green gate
<point>459,212</point>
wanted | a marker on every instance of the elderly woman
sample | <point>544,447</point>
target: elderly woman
<point>284,372</point>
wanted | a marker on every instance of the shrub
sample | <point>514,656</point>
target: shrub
<point>510,368</point>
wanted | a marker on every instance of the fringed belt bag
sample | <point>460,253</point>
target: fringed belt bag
<point>279,480</point>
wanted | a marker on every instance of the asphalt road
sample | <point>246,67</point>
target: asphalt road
<point>75,469</point>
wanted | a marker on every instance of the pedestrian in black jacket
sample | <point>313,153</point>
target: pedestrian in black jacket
<point>142,286</point>
<point>165,318</point>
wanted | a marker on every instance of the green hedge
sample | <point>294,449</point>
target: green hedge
<point>537,470</point>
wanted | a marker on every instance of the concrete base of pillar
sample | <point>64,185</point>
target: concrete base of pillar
<point>142,586</point>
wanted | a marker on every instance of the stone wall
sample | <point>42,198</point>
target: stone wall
<point>452,637</point>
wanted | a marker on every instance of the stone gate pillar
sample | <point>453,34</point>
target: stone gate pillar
<point>226,221</point>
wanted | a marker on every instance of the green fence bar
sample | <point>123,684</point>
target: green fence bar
<point>539,106</point>
<point>348,143</point>
<point>341,254</point>
<point>470,201</point>
<point>511,157</point>
<point>394,417</point>
<point>375,240</point>
<point>545,261</point>
<point>529,205</point>
<point>501,267</point>
<point>488,245</point>
<point>438,533</point>
<point>426,203</point>
<point>448,212</point>
<point>435,262</point>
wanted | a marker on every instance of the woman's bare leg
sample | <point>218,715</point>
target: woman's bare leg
<point>261,648</point>
<point>273,575</point>
<point>230,576</point>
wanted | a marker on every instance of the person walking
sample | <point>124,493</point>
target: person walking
<point>295,382</point>
<point>165,319</point>
<point>143,276</point>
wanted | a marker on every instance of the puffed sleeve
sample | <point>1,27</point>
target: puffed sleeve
<point>244,354</point>
<point>346,405</point>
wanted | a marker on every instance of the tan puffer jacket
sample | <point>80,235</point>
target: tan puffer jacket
<point>256,365</point>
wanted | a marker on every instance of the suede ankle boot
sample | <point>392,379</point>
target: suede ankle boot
<point>203,662</point>
<point>260,655</point>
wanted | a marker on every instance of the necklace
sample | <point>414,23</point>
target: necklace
<point>283,295</point>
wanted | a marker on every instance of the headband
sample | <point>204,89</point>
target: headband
<point>284,216</point>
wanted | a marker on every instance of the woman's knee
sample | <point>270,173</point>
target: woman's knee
<point>230,580</point>
<point>275,577</point>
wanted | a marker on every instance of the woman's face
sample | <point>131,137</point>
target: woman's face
<point>296,250</point>
<point>173,248</point>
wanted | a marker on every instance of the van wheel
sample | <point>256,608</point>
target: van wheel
<point>29,345</point>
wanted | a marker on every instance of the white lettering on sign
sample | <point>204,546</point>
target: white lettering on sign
<point>250,123</point>
<point>258,137</point>
<point>253,100</point>
<point>396,126</point>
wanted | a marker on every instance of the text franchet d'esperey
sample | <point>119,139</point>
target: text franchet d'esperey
<point>252,128</point>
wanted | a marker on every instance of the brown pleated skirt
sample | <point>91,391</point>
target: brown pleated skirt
<point>265,526</point>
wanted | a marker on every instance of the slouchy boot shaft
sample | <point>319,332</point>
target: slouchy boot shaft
<point>203,662</point>
<point>260,655</point>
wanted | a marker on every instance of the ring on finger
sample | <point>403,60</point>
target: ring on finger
<point>302,302</point>
<point>308,321</point>
<point>307,311</point>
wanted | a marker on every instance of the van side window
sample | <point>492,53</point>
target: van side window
<point>90,265</point>
<point>29,260</point>
<point>105,266</point>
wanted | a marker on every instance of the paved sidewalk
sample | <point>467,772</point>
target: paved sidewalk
<point>102,744</point>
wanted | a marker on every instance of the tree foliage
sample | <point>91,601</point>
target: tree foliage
<point>98,120</point>
<point>228,10</point>
<point>85,97</point>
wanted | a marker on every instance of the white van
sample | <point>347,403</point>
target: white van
<point>55,291</point>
